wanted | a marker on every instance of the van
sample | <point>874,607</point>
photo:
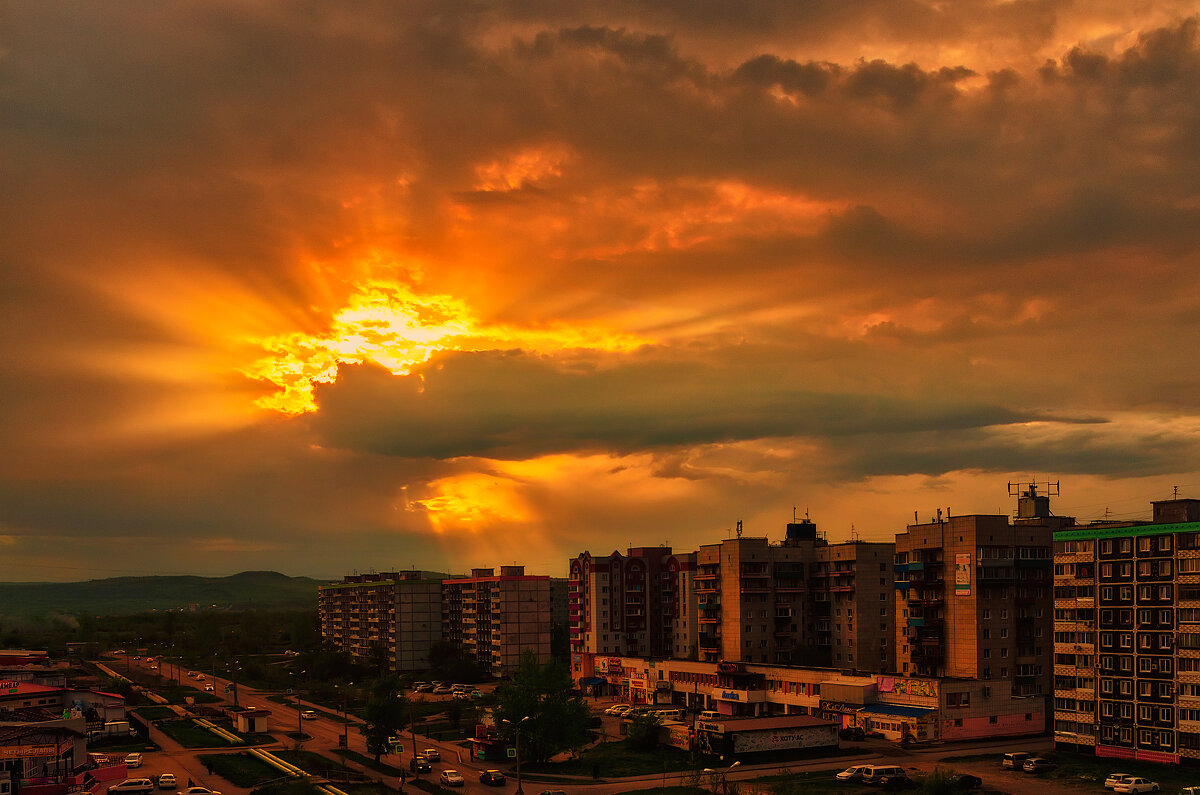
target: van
<point>1015,760</point>
<point>882,774</point>
<point>708,714</point>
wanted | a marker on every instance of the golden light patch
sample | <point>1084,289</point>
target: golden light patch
<point>523,168</point>
<point>392,326</point>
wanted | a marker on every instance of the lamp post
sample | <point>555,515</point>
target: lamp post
<point>723,774</point>
<point>299,707</point>
<point>517,732</point>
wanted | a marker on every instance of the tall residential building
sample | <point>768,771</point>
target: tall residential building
<point>851,590</point>
<point>496,617</point>
<point>1127,636</point>
<point>801,602</point>
<point>974,600</point>
<point>681,606</point>
<point>393,615</point>
<point>617,603</point>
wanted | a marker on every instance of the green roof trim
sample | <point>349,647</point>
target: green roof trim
<point>1126,530</point>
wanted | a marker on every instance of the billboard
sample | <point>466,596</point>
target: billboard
<point>962,574</point>
<point>785,739</point>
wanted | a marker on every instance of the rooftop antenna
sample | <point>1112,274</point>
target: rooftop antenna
<point>739,528</point>
<point>854,533</point>
<point>1175,492</point>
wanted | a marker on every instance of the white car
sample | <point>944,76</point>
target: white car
<point>853,773</point>
<point>208,688</point>
<point>452,778</point>
<point>133,760</point>
<point>308,714</point>
<point>167,781</point>
<point>1116,778</point>
<point>1135,786</point>
<point>199,791</point>
<point>614,709</point>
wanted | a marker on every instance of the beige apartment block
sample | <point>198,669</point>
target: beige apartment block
<point>393,615</point>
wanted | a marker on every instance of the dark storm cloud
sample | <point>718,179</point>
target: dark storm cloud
<point>512,405</point>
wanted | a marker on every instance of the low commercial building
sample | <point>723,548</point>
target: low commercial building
<point>745,737</point>
<point>917,709</point>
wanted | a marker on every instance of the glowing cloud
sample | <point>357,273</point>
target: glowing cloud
<point>390,325</point>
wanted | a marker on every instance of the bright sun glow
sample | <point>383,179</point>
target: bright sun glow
<point>392,326</point>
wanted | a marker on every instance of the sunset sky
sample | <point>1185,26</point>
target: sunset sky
<point>324,287</point>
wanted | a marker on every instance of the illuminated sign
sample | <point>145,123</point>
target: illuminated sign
<point>730,695</point>
<point>730,668</point>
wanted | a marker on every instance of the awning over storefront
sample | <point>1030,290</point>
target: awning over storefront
<point>899,710</point>
<point>593,680</point>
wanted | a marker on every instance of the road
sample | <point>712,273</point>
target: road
<point>324,735</point>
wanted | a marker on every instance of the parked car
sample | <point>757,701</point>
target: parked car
<point>855,733</point>
<point>443,690</point>
<point>1116,778</point>
<point>552,792</point>
<point>452,778</point>
<point>133,760</point>
<point>199,791</point>
<point>133,786</point>
<point>167,781</point>
<point>432,754</point>
<point>854,773</point>
<point>493,778</point>
<point>1136,786</point>
<point>881,775</point>
<point>424,687</point>
<point>420,764</point>
<point>967,781</point>
<point>1015,760</point>
<point>1037,765</point>
<point>309,714</point>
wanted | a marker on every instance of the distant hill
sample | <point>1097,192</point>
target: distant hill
<point>125,595</point>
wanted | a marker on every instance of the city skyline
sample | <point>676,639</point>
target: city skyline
<point>319,290</point>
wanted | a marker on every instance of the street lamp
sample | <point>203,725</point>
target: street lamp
<point>723,774</point>
<point>517,732</point>
<point>299,725</point>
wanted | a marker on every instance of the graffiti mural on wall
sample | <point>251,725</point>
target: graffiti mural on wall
<point>915,687</point>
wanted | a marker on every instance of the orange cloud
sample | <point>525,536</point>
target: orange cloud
<point>390,325</point>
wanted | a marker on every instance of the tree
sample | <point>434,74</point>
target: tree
<point>643,731</point>
<point>558,718</point>
<point>385,715</point>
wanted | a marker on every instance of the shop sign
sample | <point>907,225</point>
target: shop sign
<point>27,751</point>
<point>709,727</point>
<point>730,695</point>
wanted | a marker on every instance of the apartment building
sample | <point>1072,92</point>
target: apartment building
<point>974,599</point>
<point>616,603</point>
<point>681,606</point>
<point>396,615</point>
<point>496,617</point>
<point>851,605</point>
<point>1127,635</point>
<point>799,601</point>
